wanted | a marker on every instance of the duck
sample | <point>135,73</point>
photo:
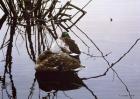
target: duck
<point>62,56</point>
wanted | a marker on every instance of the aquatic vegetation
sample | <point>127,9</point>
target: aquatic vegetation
<point>37,22</point>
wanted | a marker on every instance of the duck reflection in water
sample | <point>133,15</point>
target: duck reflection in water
<point>49,81</point>
<point>52,82</point>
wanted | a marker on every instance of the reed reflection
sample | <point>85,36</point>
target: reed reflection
<point>7,86</point>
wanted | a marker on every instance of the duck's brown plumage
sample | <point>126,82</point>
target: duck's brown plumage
<point>55,62</point>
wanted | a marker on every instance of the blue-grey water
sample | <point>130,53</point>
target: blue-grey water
<point>115,36</point>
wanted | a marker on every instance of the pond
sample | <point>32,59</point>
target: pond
<point>114,37</point>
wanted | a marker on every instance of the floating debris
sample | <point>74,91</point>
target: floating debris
<point>111,19</point>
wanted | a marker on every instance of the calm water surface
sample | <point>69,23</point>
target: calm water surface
<point>115,37</point>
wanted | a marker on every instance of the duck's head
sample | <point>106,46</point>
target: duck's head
<point>65,34</point>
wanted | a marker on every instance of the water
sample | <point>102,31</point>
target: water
<point>115,37</point>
